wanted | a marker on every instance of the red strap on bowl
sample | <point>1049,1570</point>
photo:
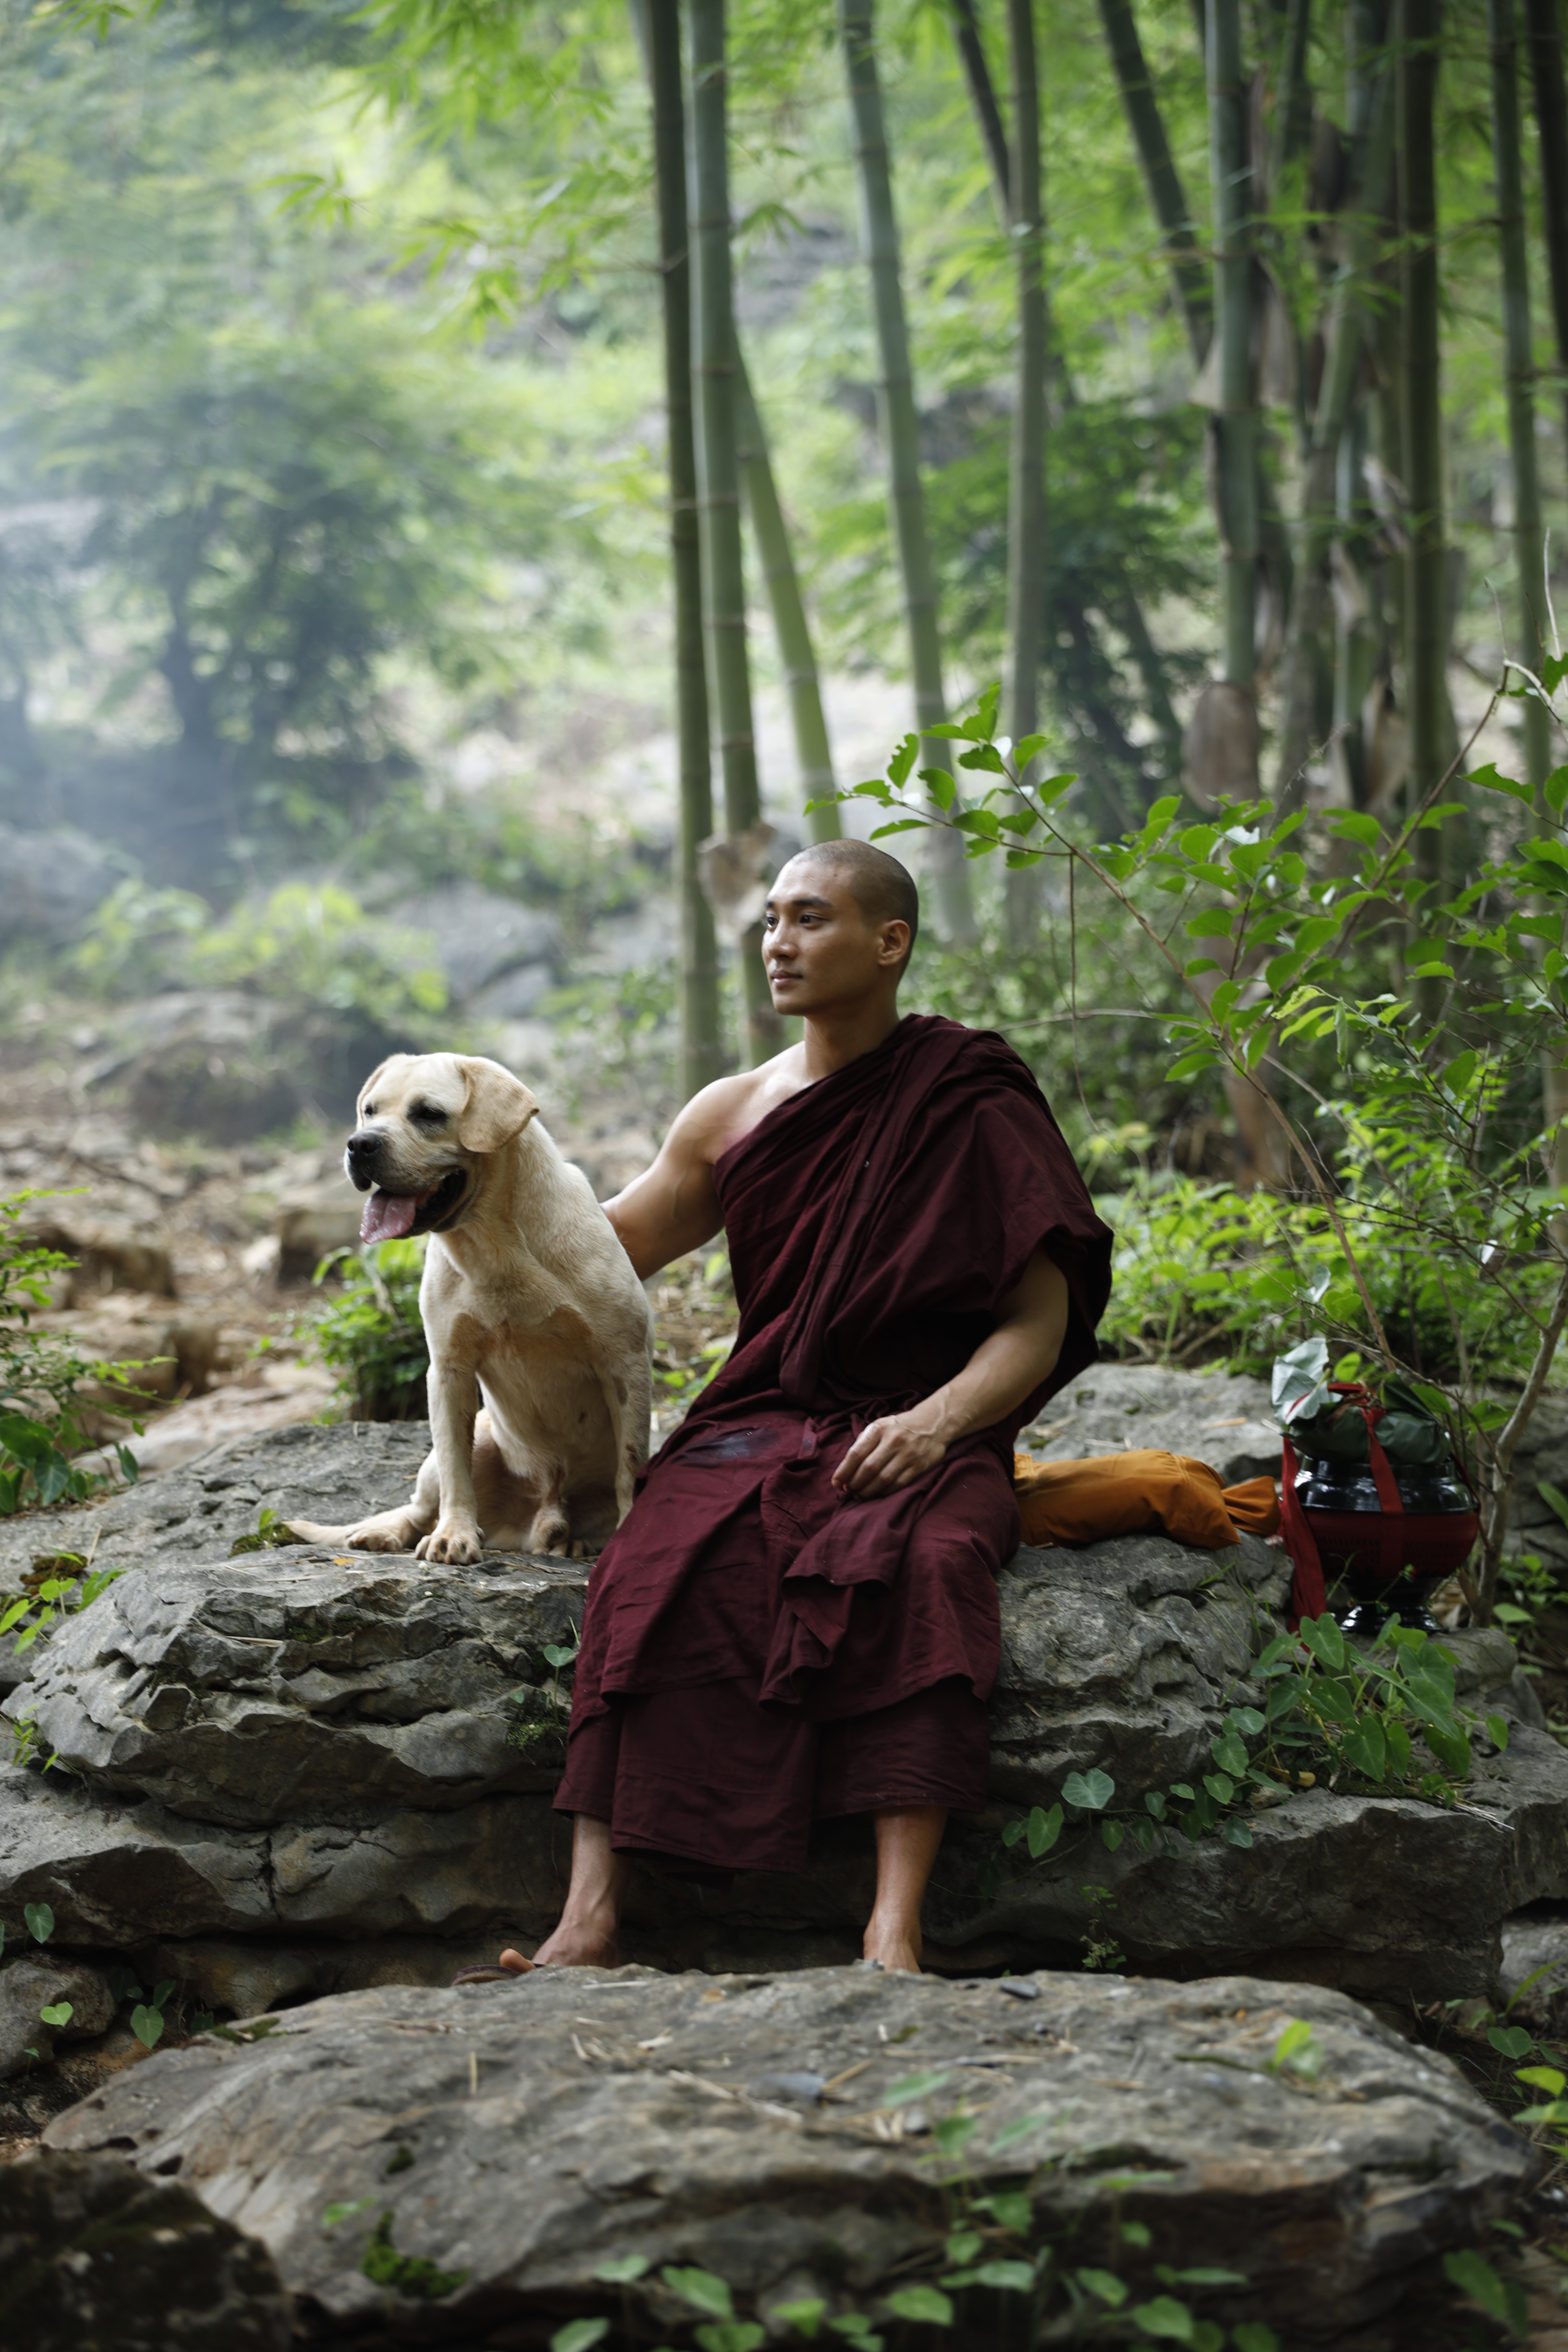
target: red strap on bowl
<point>1391,1534</point>
<point>1309,1593</point>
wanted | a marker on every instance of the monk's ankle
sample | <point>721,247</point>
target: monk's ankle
<point>895,1946</point>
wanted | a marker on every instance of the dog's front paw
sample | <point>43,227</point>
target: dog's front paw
<point>376,1534</point>
<point>454,1543</point>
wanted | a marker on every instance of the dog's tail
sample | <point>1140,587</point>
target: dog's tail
<point>308,1531</point>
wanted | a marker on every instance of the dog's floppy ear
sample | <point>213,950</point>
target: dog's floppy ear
<point>499,1106</point>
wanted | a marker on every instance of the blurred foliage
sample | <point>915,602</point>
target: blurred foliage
<point>264,503</point>
<point>617,1034</point>
<point>289,504</point>
<point>309,945</point>
<point>581,868</point>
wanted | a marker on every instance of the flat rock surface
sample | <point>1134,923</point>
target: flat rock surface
<point>201,1508</point>
<point>517,2136</point>
<point>1222,1418</point>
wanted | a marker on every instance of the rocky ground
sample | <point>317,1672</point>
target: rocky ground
<point>785,2133</point>
<point>300,1786</point>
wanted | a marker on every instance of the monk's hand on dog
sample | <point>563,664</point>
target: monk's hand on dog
<point>888,1454</point>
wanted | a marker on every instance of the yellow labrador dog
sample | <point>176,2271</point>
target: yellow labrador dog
<point>529,1303</point>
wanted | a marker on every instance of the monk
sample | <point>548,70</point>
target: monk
<point>798,1617</point>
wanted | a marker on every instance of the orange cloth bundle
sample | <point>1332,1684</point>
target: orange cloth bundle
<point>1129,1494</point>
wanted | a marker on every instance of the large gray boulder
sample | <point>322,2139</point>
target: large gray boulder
<point>301,1687</point>
<point>319,1748</point>
<point>515,2136</point>
<point>303,1754</point>
<point>478,936</point>
<point>117,1876</point>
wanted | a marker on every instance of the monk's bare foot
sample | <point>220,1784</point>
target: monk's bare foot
<point>587,1942</point>
<point>893,1946</point>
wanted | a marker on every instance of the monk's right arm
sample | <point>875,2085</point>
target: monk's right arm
<point>674,1207</point>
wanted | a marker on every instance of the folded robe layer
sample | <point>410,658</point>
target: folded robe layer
<point>1130,1494</point>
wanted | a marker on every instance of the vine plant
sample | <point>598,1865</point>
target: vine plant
<point>1382,1721</point>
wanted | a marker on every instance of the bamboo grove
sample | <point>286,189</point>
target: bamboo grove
<point>1308,281</point>
<point>1309,266</point>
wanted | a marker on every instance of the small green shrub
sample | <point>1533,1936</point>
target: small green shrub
<point>371,1334</point>
<point>72,1588</point>
<point>415,2275</point>
<point>42,1413</point>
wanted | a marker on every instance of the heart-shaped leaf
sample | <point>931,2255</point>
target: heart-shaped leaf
<point>1089,1791</point>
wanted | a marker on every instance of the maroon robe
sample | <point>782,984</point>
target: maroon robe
<point>759,1647</point>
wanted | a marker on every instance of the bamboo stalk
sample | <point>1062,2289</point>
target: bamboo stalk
<point>900,435</point>
<point>718,486</point>
<point>814,753</point>
<point>1189,270</point>
<point>1024,887</point>
<point>1354,647</point>
<point>1293,108</point>
<point>1425,594</point>
<point>982,97</point>
<point>1308,607</point>
<point>1544,29</point>
<point>701,1056</point>
<point>1528,536</point>
<point>1236,423</point>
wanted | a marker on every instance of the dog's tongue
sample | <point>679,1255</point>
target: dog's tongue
<point>388,1215</point>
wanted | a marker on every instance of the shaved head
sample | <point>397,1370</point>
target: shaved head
<point>884,890</point>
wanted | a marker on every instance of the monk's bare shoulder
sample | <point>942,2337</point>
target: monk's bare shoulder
<point>716,1118</point>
